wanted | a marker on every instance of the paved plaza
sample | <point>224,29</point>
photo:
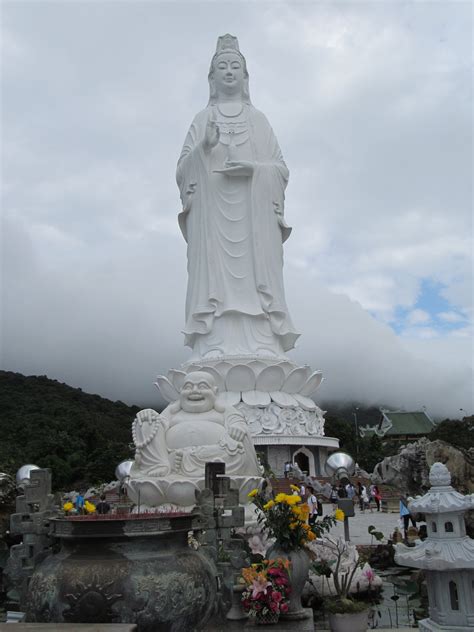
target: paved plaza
<point>358,525</point>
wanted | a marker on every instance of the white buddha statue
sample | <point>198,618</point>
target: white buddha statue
<point>173,448</point>
<point>232,180</point>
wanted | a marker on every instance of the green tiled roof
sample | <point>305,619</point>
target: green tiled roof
<point>409,423</point>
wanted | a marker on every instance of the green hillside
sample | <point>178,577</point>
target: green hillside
<point>81,437</point>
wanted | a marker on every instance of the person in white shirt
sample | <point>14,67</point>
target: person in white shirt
<point>313,506</point>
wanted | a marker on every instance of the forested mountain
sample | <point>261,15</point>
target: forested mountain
<point>81,437</point>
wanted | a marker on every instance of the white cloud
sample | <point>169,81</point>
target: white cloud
<point>372,109</point>
<point>418,317</point>
<point>451,317</point>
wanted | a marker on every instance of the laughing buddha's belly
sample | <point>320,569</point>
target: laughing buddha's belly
<point>194,433</point>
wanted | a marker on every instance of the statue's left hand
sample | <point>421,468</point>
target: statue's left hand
<point>237,168</point>
<point>237,434</point>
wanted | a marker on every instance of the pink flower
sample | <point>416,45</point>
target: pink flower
<point>281,581</point>
<point>277,596</point>
<point>284,607</point>
<point>259,586</point>
<point>370,575</point>
<point>273,606</point>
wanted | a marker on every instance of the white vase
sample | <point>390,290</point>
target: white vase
<point>349,622</point>
<point>299,572</point>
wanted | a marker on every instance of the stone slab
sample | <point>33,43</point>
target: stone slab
<point>303,625</point>
<point>69,627</point>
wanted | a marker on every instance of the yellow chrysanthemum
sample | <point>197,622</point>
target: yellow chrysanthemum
<point>253,493</point>
<point>296,511</point>
<point>311,536</point>
<point>269,505</point>
<point>68,506</point>
<point>89,507</point>
<point>339,514</point>
<point>295,488</point>
<point>293,525</point>
<point>293,500</point>
<point>281,498</point>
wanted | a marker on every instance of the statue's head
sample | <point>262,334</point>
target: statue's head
<point>228,72</point>
<point>198,393</point>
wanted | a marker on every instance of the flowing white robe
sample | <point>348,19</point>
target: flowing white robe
<point>234,228</point>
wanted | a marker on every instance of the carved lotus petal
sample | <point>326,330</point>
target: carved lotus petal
<point>295,380</point>
<point>228,398</point>
<point>287,366</point>
<point>257,366</point>
<point>270,379</point>
<point>305,402</point>
<point>176,378</point>
<point>312,383</point>
<point>240,378</point>
<point>216,375</point>
<point>223,367</point>
<point>256,398</point>
<point>167,390</point>
<point>285,400</point>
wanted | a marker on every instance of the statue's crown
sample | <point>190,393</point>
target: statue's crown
<point>227,42</point>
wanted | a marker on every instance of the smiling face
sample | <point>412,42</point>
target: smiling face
<point>198,394</point>
<point>228,73</point>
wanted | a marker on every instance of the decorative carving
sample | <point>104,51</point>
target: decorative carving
<point>173,595</point>
<point>275,420</point>
<point>262,376</point>
<point>91,603</point>
<point>440,475</point>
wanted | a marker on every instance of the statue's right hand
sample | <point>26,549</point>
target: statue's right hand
<point>211,135</point>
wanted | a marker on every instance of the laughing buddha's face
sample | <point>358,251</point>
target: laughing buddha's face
<point>198,394</point>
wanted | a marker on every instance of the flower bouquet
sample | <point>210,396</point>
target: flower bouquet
<point>267,588</point>
<point>286,519</point>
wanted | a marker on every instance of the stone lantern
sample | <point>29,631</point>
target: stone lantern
<point>446,556</point>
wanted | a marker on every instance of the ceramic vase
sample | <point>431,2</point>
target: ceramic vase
<point>349,622</point>
<point>299,573</point>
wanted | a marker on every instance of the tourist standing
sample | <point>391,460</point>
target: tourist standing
<point>375,495</point>
<point>79,502</point>
<point>350,491</point>
<point>405,515</point>
<point>312,505</point>
<point>334,497</point>
<point>287,469</point>
<point>102,506</point>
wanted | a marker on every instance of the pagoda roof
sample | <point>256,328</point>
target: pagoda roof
<point>407,423</point>
<point>437,555</point>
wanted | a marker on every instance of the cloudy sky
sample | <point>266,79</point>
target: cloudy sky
<point>371,104</point>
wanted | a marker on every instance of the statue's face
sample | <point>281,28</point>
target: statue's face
<point>228,72</point>
<point>198,394</point>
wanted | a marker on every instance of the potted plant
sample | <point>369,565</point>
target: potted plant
<point>266,592</point>
<point>285,518</point>
<point>340,560</point>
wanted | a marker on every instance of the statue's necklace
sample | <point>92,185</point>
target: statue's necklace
<point>231,115</point>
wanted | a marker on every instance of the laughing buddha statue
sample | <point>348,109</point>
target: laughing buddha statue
<point>172,448</point>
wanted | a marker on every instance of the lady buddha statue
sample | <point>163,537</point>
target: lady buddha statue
<point>232,180</point>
